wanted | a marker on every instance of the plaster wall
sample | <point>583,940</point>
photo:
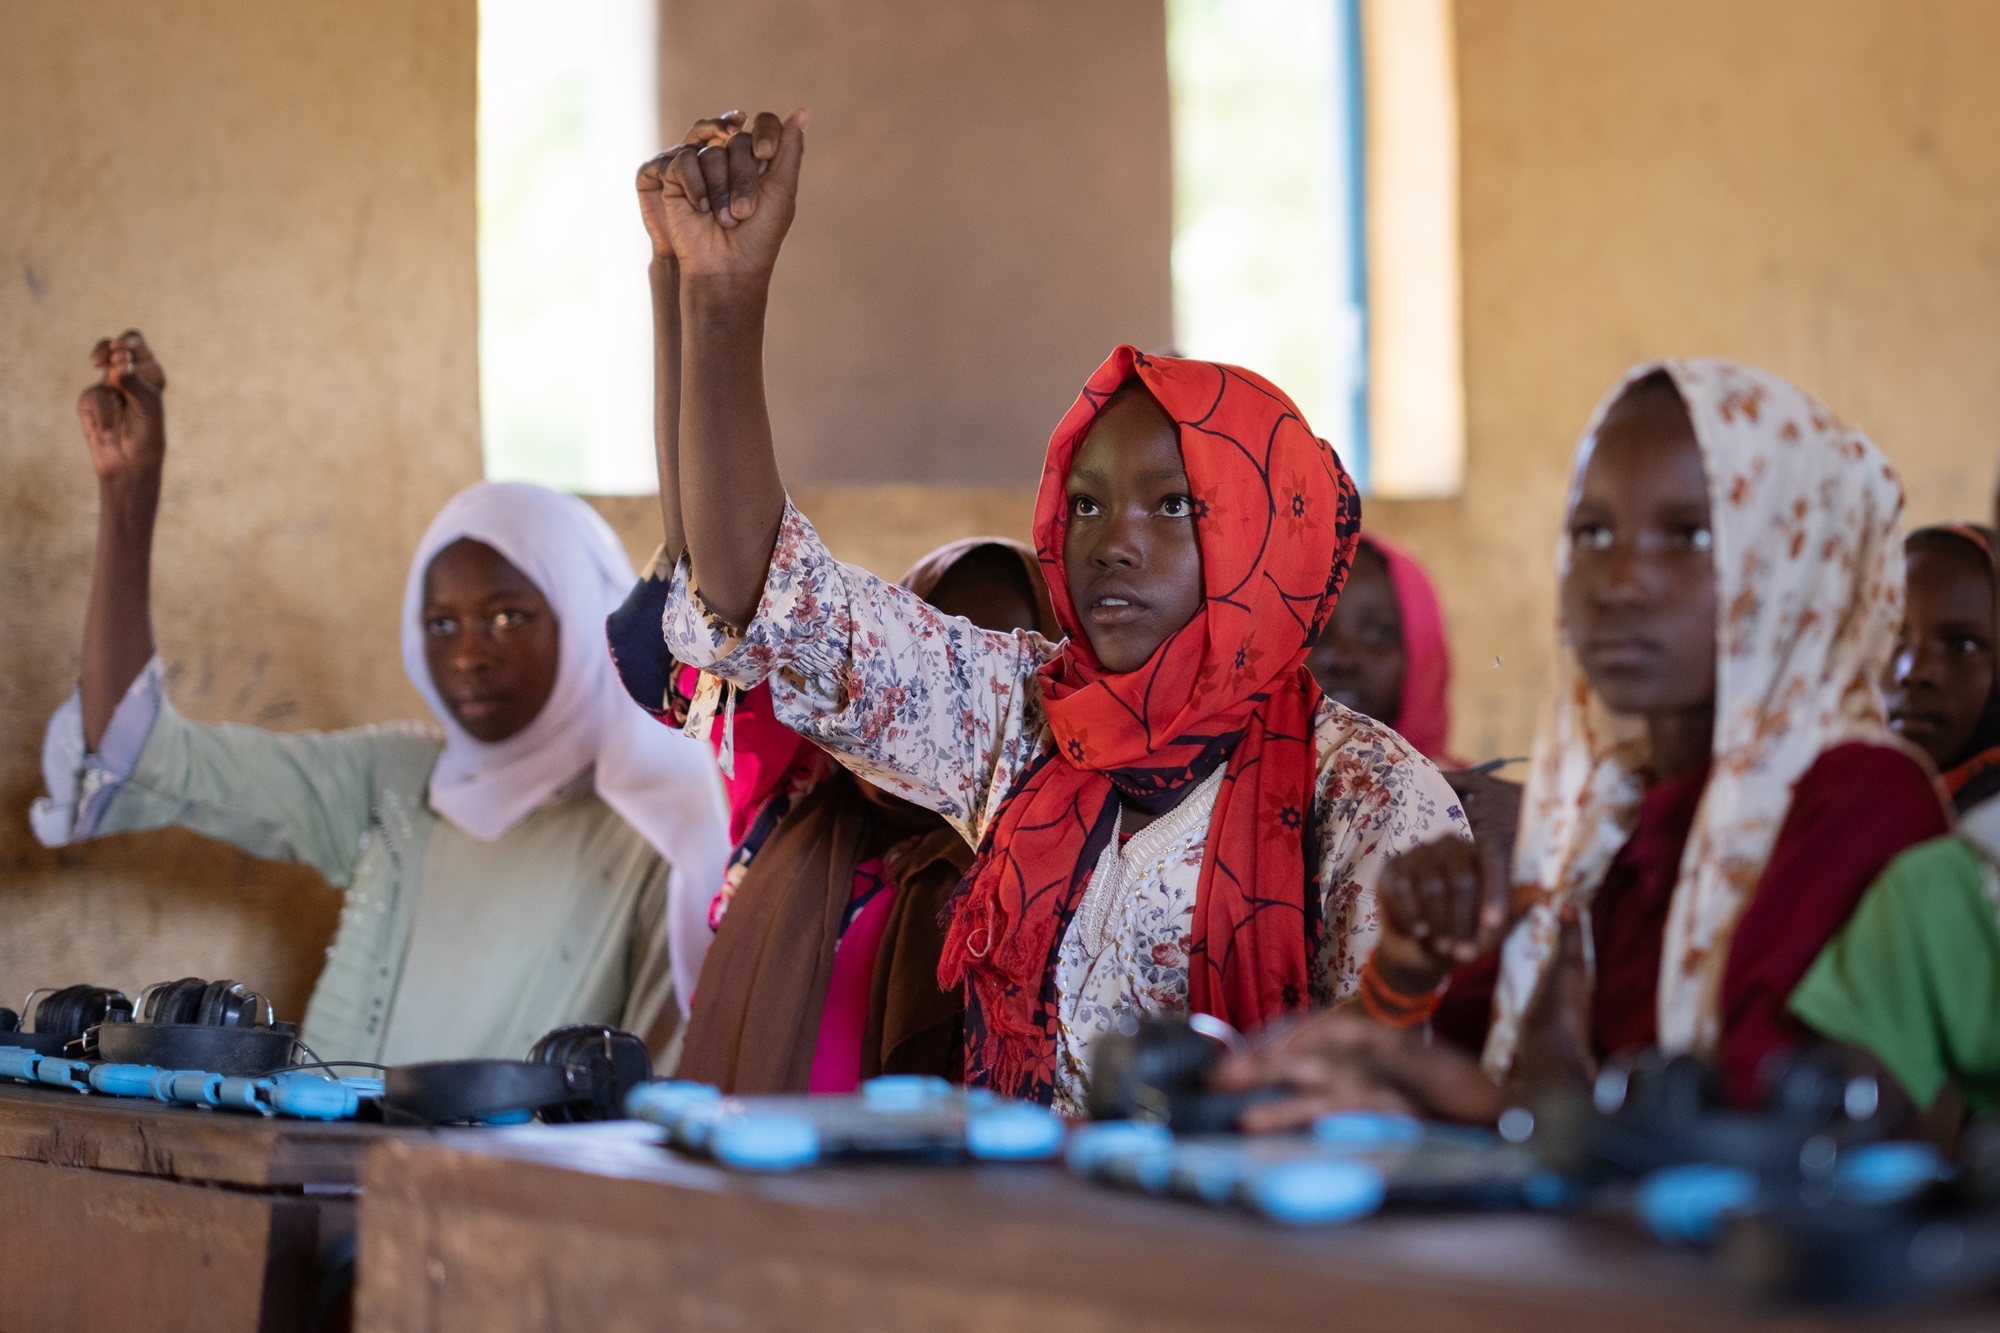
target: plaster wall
<point>986,211</point>
<point>1808,187</point>
<point>281,197</point>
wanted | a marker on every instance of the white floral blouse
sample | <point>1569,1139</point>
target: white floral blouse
<point>937,710</point>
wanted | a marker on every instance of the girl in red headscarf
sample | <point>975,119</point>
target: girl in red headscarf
<point>1170,815</point>
<point>1384,651</point>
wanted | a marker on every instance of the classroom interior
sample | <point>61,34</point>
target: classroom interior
<point>285,198</point>
<point>1804,188</point>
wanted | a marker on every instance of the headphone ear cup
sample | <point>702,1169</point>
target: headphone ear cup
<point>176,1002</point>
<point>227,1004</point>
<point>208,1010</point>
<point>99,1004</point>
<point>51,1013</point>
<point>73,1010</point>
<point>600,1065</point>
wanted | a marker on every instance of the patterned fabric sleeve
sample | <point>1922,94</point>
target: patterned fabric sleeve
<point>1376,797</point>
<point>925,705</point>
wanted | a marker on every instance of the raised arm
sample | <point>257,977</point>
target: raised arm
<point>125,427</point>
<point>726,208</point>
<point>665,278</point>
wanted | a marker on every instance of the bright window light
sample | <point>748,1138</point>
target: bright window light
<point>1269,261</point>
<point>568,109</point>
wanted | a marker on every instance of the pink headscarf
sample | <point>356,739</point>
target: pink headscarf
<point>1423,714</point>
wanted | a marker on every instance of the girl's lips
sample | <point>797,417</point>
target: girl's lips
<point>476,709</point>
<point>1115,611</point>
<point>1903,724</point>
<point>1622,654</point>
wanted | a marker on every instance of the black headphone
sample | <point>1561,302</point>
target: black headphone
<point>599,1066</point>
<point>1653,1110</point>
<point>572,1074</point>
<point>1157,1069</point>
<point>69,1011</point>
<point>214,1004</point>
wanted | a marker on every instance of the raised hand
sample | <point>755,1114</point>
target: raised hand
<point>123,415</point>
<point>709,132</point>
<point>723,206</point>
<point>1442,904</point>
<point>125,427</point>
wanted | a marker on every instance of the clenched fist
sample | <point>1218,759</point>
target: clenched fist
<point>124,418</point>
<point>722,200</point>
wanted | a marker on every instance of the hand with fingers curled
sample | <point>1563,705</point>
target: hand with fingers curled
<point>1442,904</point>
<point>123,414</point>
<point>721,201</point>
<point>1344,1060</point>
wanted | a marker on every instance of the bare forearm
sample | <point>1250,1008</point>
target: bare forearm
<point>667,398</point>
<point>732,496</point>
<point>118,627</point>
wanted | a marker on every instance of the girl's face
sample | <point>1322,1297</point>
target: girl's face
<point>1942,675</point>
<point>490,638</point>
<point>991,598</point>
<point>1133,565</point>
<point>1359,659</point>
<point>1639,599</point>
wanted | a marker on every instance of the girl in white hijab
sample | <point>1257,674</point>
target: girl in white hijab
<point>507,876</point>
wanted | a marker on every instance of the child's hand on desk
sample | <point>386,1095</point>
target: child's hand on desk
<point>725,199</point>
<point>1342,1060</point>
<point>123,415</point>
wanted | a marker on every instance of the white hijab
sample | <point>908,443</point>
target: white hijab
<point>663,784</point>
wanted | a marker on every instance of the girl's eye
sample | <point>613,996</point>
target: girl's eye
<point>1082,506</point>
<point>1591,537</point>
<point>441,626</point>
<point>1967,647</point>
<point>509,620</point>
<point>1698,539</point>
<point>1177,506</point>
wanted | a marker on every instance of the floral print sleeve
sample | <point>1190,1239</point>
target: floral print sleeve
<point>925,705</point>
<point>1376,797</point>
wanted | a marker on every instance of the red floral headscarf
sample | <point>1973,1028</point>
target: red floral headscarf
<point>1276,518</point>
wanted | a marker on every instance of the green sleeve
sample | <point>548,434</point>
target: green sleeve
<point>290,796</point>
<point>1914,976</point>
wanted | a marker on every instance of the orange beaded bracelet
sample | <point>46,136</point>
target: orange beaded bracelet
<point>1389,1006</point>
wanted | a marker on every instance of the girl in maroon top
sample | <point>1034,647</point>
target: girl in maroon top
<point>1713,784</point>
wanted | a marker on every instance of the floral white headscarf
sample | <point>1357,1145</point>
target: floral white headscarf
<point>1809,591</point>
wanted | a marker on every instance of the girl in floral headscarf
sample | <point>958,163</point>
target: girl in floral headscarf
<point>1170,814</point>
<point>1713,783</point>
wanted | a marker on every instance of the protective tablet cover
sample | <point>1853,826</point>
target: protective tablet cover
<point>896,1116</point>
<point>1435,1166</point>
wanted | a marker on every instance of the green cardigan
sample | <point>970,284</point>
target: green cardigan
<point>448,947</point>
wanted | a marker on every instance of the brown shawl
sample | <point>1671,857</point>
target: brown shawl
<point>755,1024</point>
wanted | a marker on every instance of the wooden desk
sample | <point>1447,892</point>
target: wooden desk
<point>130,1215</point>
<point>596,1227</point>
